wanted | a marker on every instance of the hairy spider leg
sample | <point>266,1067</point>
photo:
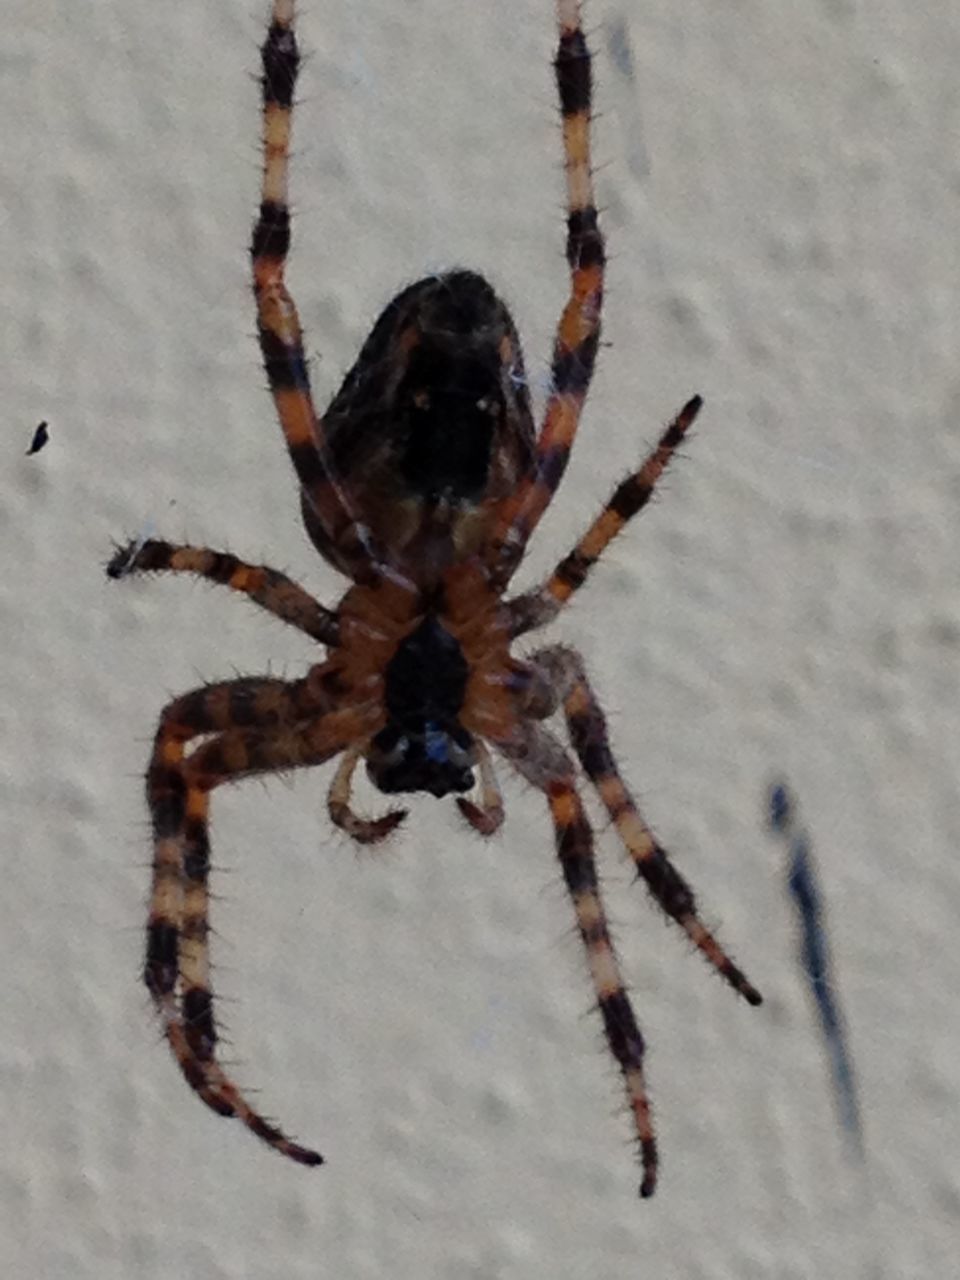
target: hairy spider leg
<point>260,726</point>
<point>540,759</point>
<point>278,325</point>
<point>588,733</point>
<point>268,588</point>
<point>536,608</point>
<point>578,334</point>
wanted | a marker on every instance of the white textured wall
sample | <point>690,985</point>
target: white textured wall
<point>781,200</point>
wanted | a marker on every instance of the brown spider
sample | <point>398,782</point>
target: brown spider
<point>422,483</point>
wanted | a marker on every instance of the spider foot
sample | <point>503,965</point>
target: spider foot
<point>122,561</point>
<point>706,943</point>
<point>649,1160</point>
<point>143,552</point>
<point>273,1136</point>
<point>207,1078</point>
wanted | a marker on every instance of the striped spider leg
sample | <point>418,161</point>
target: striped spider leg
<point>268,588</point>
<point>251,726</point>
<point>578,333</point>
<point>563,682</point>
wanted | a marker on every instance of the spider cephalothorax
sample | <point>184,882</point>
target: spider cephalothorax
<point>423,483</point>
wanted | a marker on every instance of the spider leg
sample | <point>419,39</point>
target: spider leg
<point>540,759</point>
<point>536,608</point>
<point>278,325</point>
<point>363,830</point>
<point>487,816</point>
<point>588,733</point>
<point>273,591</point>
<point>277,734</point>
<point>578,333</point>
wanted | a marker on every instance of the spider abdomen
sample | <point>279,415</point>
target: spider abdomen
<point>432,425</point>
<point>449,405</point>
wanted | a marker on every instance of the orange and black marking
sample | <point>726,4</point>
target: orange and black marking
<point>630,496</point>
<point>575,849</point>
<point>278,324</point>
<point>578,334</point>
<point>587,726</point>
<point>422,483</point>
<point>537,608</point>
<point>266,587</point>
<point>258,725</point>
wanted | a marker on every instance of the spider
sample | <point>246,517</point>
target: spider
<point>422,483</point>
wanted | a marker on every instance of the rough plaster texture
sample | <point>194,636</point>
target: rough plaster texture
<point>781,197</point>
